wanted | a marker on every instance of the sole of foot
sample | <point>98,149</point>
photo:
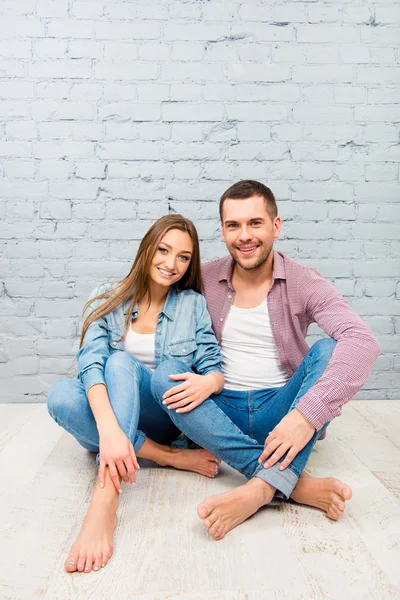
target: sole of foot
<point>328,494</point>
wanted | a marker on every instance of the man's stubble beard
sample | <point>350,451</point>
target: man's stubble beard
<point>261,262</point>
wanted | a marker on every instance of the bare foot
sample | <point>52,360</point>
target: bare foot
<point>328,494</point>
<point>199,461</point>
<point>93,547</point>
<point>223,512</point>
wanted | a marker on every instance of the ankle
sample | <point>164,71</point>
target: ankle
<point>265,490</point>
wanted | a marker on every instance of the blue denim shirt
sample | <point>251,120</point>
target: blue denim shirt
<point>183,331</point>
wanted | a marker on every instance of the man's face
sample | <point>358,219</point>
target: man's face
<point>248,231</point>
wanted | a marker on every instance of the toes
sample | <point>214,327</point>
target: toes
<point>333,513</point>
<point>105,558</point>
<point>340,506</point>
<point>204,510</point>
<point>210,521</point>
<point>81,563</point>
<point>70,564</point>
<point>214,530</point>
<point>346,492</point>
<point>97,563</point>
<point>88,564</point>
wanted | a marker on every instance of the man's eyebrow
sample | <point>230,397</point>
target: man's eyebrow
<point>181,252</point>
<point>229,221</point>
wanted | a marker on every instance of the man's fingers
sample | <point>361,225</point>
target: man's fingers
<point>288,459</point>
<point>114,477</point>
<point>282,449</point>
<point>268,449</point>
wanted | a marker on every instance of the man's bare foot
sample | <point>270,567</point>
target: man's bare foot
<point>328,494</point>
<point>223,512</point>
<point>94,545</point>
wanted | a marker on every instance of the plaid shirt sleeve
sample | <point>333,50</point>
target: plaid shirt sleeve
<point>355,353</point>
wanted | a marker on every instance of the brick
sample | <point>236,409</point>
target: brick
<point>381,172</point>
<point>187,92</point>
<point>386,112</point>
<point>191,72</point>
<point>84,49</point>
<point>90,170</point>
<point>126,31</point>
<point>55,210</point>
<point>256,112</point>
<point>324,34</point>
<point>132,111</point>
<point>194,32</point>
<point>60,69</point>
<point>316,172</point>
<point>131,151</point>
<point>88,211</point>
<point>349,94</point>
<point>184,51</point>
<point>52,8</point>
<point>19,169</point>
<point>69,28</point>
<point>177,111</point>
<point>52,90</point>
<point>21,28</point>
<point>15,48</point>
<point>311,74</point>
<point>120,50</point>
<point>17,89</point>
<point>257,73</point>
<point>50,48</point>
<point>109,71</point>
<point>87,10</point>
<point>325,114</point>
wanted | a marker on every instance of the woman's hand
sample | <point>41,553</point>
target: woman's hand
<point>192,392</point>
<point>116,451</point>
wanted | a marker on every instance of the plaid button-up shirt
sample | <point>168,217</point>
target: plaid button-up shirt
<point>298,297</point>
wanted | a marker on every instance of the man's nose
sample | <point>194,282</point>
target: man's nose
<point>245,233</point>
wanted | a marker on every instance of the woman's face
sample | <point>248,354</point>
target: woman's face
<point>172,258</point>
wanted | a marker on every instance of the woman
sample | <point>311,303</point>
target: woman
<point>156,312</point>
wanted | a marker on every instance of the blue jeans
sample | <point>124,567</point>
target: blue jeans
<point>128,384</point>
<point>234,424</point>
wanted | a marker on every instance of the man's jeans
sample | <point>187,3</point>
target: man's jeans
<point>234,424</point>
<point>128,386</point>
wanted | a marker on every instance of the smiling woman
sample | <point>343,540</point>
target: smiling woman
<point>155,313</point>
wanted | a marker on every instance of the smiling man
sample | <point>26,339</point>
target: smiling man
<point>278,391</point>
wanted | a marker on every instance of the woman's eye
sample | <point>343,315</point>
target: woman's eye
<point>185,258</point>
<point>162,250</point>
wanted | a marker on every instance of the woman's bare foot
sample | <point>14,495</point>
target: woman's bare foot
<point>199,461</point>
<point>223,512</point>
<point>328,494</point>
<point>94,545</point>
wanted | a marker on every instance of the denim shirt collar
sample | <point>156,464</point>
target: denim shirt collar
<point>226,270</point>
<point>168,309</point>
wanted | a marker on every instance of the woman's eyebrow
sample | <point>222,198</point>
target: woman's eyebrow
<point>181,251</point>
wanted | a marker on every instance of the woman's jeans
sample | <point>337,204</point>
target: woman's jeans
<point>128,384</point>
<point>234,424</point>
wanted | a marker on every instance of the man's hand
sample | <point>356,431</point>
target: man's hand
<point>290,435</point>
<point>189,394</point>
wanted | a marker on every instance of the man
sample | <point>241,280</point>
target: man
<point>278,392</point>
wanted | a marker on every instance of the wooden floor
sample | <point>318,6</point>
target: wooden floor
<point>162,551</point>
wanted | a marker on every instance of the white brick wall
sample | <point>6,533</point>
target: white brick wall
<point>113,113</point>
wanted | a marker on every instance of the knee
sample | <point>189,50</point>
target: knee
<point>59,399</point>
<point>324,348</point>
<point>160,381</point>
<point>121,360</point>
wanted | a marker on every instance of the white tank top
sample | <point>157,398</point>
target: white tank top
<point>250,359</point>
<point>141,345</point>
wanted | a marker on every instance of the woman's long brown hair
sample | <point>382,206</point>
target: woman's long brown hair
<point>135,286</point>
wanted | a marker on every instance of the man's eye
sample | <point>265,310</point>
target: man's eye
<point>231,225</point>
<point>256,223</point>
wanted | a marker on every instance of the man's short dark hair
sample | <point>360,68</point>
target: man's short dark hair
<point>246,189</point>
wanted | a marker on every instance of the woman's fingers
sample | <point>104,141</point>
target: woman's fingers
<point>175,390</point>
<point>189,407</point>
<point>102,471</point>
<point>134,459</point>
<point>122,470</point>
<point>114,476</point>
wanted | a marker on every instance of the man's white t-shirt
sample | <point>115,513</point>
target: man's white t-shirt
<point>250,359</point>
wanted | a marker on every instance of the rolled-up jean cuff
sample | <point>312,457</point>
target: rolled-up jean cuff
<point>284,481</point>
<point>139,439</point>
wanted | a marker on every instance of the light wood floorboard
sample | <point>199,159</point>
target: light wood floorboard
<point>162,551</point>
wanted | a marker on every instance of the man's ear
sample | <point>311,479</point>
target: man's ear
<point>277,227</point>
<point>222,231</point>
